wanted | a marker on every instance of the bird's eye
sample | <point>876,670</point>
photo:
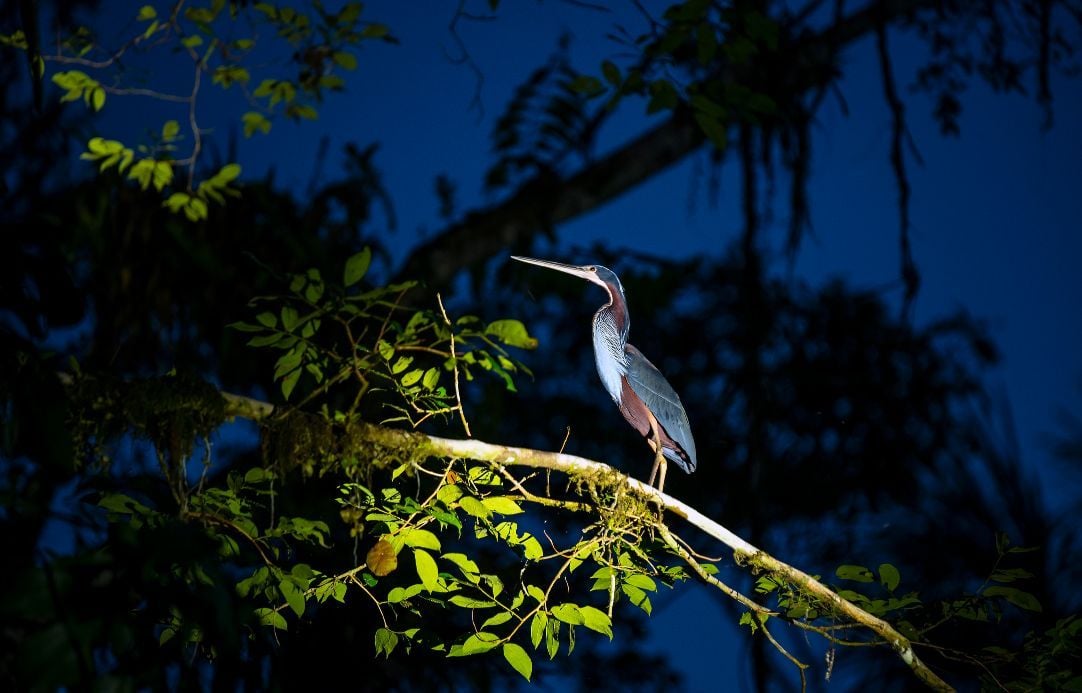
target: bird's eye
<point>592,268</point>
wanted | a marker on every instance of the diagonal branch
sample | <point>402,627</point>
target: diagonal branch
<point>421,445</point>
<point>548,200</point>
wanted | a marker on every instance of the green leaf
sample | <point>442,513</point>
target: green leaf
<point>270,617</point>
<point>1011,574</point>
<point>851,596</point>
<point>474,507</point>
<point>552,638</point>
<point>420,539</point>
<point>643,582</point>
<point>569,613</point>
<point>290,382</point>
<point>536,592</point>
<point>290,317</point>
<point>375,31</point>
<point>386,641</point>
<point>346,61</point>
<point>449,494</point>
<point>293,596</point>
<point>512,333</point>
<point>412,377</point>
<point>265,340</point>
<point>146,13</point>
<point>124,505</point>
<point>471,602</point>
<point>170,130</point>
<point>469,567</point>
<point>518,659</point>
<point>357,267</point>
<point>427,570</point>
<point>267,319</point>
<point>637,597</point>
<point>1015,596</point>
<point>596,620</point>
<point>501,505</point>
<point>746,619</point>
<point>497,620</point>
<point>889,576</point>
<point>537,627</point>
<point>398,594</point>
<point>532,548</point>
<point>857,573</point>
<point>431,378</point>
<point>254,122</point>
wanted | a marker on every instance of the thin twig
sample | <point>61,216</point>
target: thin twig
<point>454,362</point>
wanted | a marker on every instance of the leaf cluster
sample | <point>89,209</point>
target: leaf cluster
<point>339,334</point>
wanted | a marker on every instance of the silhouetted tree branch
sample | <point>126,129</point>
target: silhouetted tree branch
<point>548,200</point>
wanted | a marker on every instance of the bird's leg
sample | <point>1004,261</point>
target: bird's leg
<point>660,463</point>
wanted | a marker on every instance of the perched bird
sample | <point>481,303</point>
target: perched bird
<point>639,389</point>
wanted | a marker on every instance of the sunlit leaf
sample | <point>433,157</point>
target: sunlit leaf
<point>889,576</point>
<point>270,617</point>
<point>427,570</point>
<point>501,505</point>
<point>512,333</point>
<point>420,539</point>
<point>518,659</point>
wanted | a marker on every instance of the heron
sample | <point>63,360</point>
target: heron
<point>638,388</point>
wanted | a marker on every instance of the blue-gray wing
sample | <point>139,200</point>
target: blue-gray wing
<point>660,398</point>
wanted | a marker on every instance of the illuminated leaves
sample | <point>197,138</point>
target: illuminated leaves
<point>518,659</point>
<point>108,153</point>
<point>79,85</point>
<point>205,40</point>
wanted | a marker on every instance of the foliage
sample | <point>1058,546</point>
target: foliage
<point>375,345</point>
<point>223,44</point>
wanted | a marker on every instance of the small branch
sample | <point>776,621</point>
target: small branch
<point>160,96</point>
<point>353,578</point>
<point>454,362</point>
<point>672,542</point>
<point>899,132</point>
<point>197,137</point>
<point>800,666</point>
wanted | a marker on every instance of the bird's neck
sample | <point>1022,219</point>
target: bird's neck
<point>610,337</point>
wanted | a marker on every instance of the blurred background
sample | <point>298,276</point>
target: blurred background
<point>848,235</point>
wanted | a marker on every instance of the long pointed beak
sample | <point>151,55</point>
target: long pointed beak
<point>574,270</point>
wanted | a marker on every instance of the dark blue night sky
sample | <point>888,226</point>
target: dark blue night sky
<point>995,212</point>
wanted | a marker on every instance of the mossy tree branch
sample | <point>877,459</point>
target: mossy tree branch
<point>421,446</point>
